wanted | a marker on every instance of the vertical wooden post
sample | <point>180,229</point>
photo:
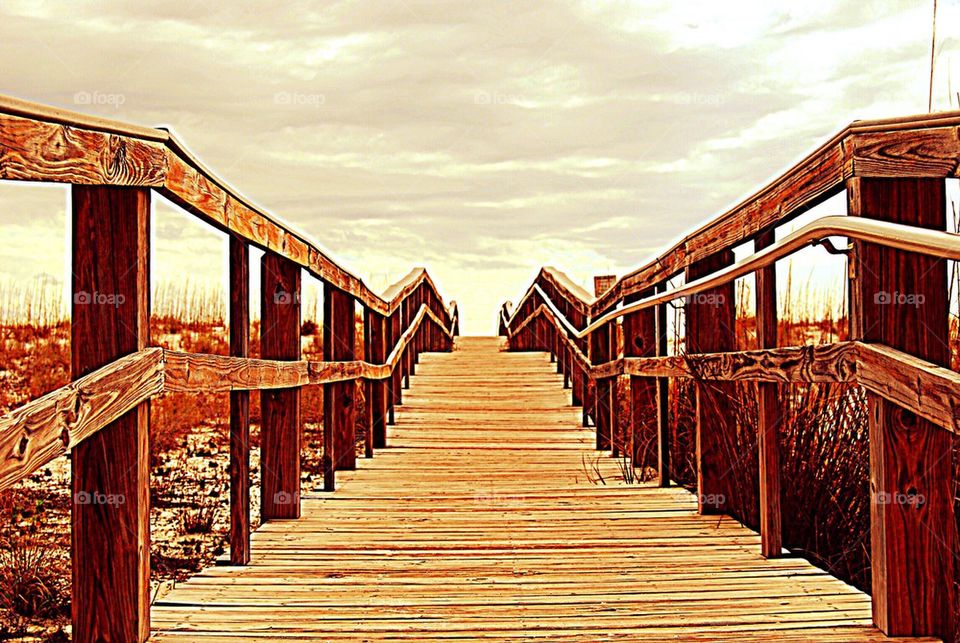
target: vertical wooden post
<point>640,340</point>
<point>768,426</point>
<point>408,351</point>
<point>600,353</point>
<point>110,469</point>
<point>664,442</point>
<point>710,318</point>
<point>416,299</point>
<point>375,342</point>
<point>239,405</point>
<point>900,299</point>
<point>339,409</point>
<point>396,381</point>
<point>281,431</point>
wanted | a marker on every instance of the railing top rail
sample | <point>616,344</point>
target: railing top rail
<point>926,145</point>
<point>944,245</point>
<point>48,144</point>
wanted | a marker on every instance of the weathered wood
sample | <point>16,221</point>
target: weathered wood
<point>281,431</point>
<point>768,411</point>
<point>111,475</point>
<point>930,391</point>
<point>710,324</point>
<point>375,343</point>
<point>39,143</point>
<point>239,405</point>
<point>900,299</point>
<point>599,354</point>
<point>640,340</point>
<point>478,526</point>
<point>40,431</point>
<point>664,436</point>
<point>396,379</point>
<point>339,409</point>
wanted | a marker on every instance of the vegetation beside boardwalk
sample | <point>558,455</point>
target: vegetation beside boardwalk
<point>189,462</point>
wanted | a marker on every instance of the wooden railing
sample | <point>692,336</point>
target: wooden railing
<point>894,175</point>
<point>102,416</point>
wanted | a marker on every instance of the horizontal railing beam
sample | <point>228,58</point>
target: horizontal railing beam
<point>48,427</point>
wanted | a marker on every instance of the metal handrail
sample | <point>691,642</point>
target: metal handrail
<point>944,245</point>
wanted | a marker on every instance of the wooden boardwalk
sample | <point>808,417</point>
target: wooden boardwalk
<point>484,519</point>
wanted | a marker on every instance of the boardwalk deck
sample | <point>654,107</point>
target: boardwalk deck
<point>484,519</point>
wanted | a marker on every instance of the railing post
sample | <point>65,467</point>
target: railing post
<point>407,359</point>
<point>281,430</point>
<point>900,299</point>
<point>769,415</point>
<point>339,409</point>
<point>664,437</point>
<point>640,340</point>
<point>600,353</point>
<point>396,380</point>
<point>239,405</point>
<point>417,344</point>
<point>710,318</point>
<point>374,325</point>
<point>111,494</point>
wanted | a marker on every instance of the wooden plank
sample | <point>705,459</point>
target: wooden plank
<point>110,597</point>
<point>339,410</point>
<point>281,431</point>
<point>239,405</point>
<point>768,411</point>
<point>900,299</point>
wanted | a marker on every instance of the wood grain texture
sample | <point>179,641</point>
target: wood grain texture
<point>482,522</point>
<point>239,404</point>
<point>282,427</point>
<point>900,299</point>
<point>664,435</point>
<point>339,409</point>
<point>710,319</point>
<point>376,344</point>
<point>640,340</point>
<point>110,469</point>
<point>768,409</point>
<point>39,143</point>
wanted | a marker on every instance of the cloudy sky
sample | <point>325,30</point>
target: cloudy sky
<point>479,138</point>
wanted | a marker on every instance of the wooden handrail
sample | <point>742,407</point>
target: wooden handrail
<point>893,171</point>
<point>917,146</point>
<point>40,143</point>
<point>102,417</point>
<point>42,430</point>
<point>943,245</point>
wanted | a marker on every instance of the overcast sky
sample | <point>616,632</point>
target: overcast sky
<point>479,138</point>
